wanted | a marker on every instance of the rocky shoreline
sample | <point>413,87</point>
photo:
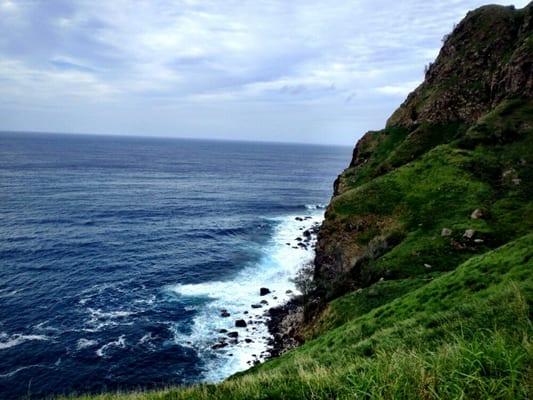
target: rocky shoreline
<point>281,322</point>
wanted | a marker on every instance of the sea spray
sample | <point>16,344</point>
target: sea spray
<point>239,299</point>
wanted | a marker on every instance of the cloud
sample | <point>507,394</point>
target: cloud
<point>154,59</point>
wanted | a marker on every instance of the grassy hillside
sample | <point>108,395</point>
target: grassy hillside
<point>423,280</point>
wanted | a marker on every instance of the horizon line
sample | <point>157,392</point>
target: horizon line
<point>3,131</point>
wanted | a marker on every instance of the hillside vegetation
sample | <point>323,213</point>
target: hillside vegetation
<point>423,280</point>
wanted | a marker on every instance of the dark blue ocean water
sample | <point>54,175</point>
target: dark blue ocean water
<point>117,254</point>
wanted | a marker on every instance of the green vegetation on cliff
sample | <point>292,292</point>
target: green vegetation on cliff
<point>423,281</point>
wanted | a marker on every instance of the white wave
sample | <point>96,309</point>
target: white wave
<point>315,206</point>
<point>7,341</point>
<point>282,259</point>
<point>100,319</point>
<point>119,343</point>
<point>84,343</point>
<point>16,371</point>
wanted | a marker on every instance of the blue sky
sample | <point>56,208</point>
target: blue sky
<point>299,70</point>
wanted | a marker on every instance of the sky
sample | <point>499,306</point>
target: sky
<point>292,71</point>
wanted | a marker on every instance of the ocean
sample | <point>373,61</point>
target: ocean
<point>120,256</point>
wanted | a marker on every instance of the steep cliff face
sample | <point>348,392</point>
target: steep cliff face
<point>457,144</point>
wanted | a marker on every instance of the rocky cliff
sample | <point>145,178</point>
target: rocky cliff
<point>403,206</point>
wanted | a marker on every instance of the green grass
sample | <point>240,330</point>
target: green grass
<point>464,334</point>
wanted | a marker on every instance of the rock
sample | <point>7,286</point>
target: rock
<point>298,239</point>
<point>233,334</point>
<point>446,232</point>
<point>248,340</point>
<point>476,214</point>
<point>264,302</point>
<point>469,233</point>
<point>219,345</point>
<point>246,312</point>
<point>223,331</point>
<point>224,313</point>
<point>264,291</point>
<point>307,234</point>
<point>256,306</point>
<point>275,297</point>
<point>288,291</point>
<point>240,323</point>
<point>299,219</point>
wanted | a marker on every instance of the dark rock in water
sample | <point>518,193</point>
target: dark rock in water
<point>299,239</point>
<point>219,345</point>
<point>275,297</point>
<point>233,334</point>
<point>288,291</point>
<point>240,323</point>
<point>223,331</point>
<point>307,233</point>
<point>256,306</point>
<point>288,244</point>
<point>264,302</point>
<point>224,313</point>
<point>308,217</point>
<point>299,219</point>
<point>264,291</point>
<point>246,312</point>
<point>248,340</point>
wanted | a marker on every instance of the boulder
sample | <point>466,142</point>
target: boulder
<point>264,291</point>
<point>446,232</point>
<point>476,214</point>
<point>256,306</point>
<point>469,233</point>
<point>233,334</point>
<point>240,323</point>
<point>224,313</point>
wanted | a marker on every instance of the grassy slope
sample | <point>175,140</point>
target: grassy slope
<point>464,334</point>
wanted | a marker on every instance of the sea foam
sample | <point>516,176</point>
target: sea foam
<point>282,258</point>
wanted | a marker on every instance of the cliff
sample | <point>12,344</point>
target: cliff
<point>449,149</point>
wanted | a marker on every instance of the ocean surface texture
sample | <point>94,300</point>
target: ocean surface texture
<point>119,255</point>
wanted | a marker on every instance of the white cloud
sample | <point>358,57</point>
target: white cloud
<point>149,57</point>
